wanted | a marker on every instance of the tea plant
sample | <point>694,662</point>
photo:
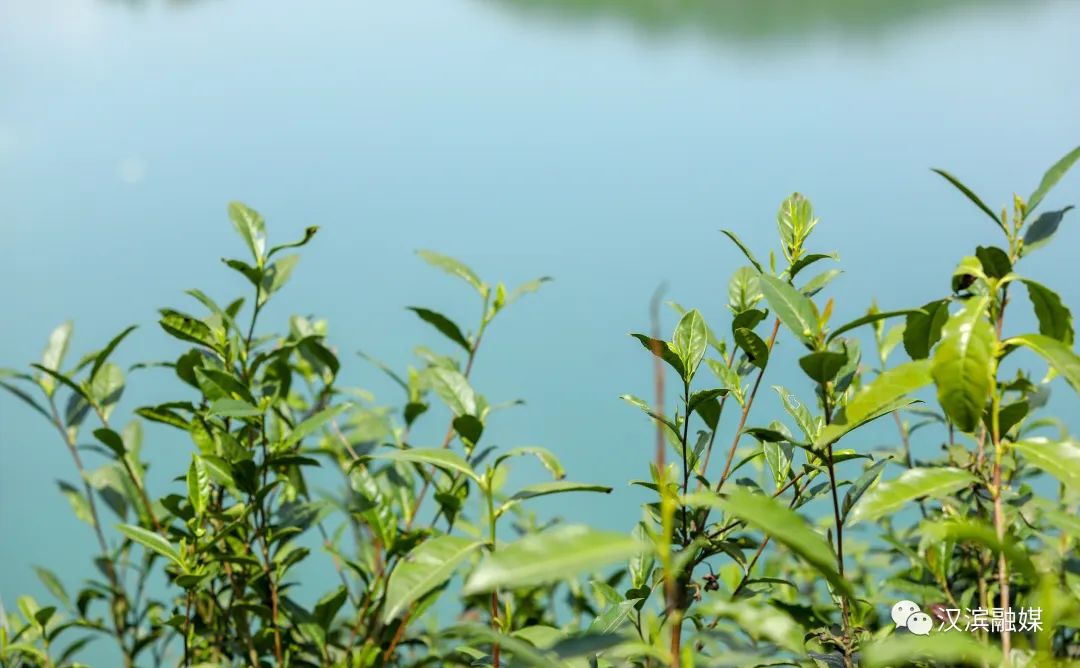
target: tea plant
<point>726,567</point>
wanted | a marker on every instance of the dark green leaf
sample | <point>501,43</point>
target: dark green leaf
<point>822,366</point>
<point>757,351</point>
<point>186,328</point>
<point>923,328</point>
<point>1051,177</point>
<point>744,249</point>
<point>973,197</point>
<point>1039,233</point>
<point>868,319</point>
<point>1054,317</point>
<point>995,262</point>
<point>445,325</point>
<point>662,350</point>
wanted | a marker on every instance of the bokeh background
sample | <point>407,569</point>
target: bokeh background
<point>603,142</point>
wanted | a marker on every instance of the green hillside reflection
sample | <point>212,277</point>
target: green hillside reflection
<point>752,20</point>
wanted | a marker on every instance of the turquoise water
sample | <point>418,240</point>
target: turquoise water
<point>603,143</point>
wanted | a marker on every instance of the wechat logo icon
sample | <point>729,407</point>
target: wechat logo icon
<point>907,615</point>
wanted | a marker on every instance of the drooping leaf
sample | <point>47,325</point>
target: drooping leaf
<point>662,350</point>
<point>154,542</point>
<point>793,308</point>
<point>439,457</point>
<point>309,233</point>
<point>867,319</point>
<point>1059,356</point>
<point>556,554</point>
<point>784,525</point>
<point>972,197</point>
<point>757,351</point>
<point>745,251</point>
<point>1055,319</point>
<point>822,366</point>
<point>964,364</point>
<point>557,487</point>
<point>445,325</point>
<point>690,341</point>
<point>922,329</point>
<point>1051,178</point>
<point>454,268</point>
<point>886,393</point>
<point>1060,459</point>
<point>1045,226</point>
<point>469,428</point>
<point>429,565</point>
<point>891,496</point>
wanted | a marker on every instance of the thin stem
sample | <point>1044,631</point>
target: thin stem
<point>826,390</point>
<point>495,650</point>
<point>712,437</point>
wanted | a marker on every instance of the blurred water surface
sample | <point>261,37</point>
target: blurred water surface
<point>603,142</point>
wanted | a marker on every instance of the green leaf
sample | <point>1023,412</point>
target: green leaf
<point>758,619</point>
<point>823,366</point>
<point>79,504</point>
<point>313,424</point>
<point>1060,357</point>
<point>784,525</point>
<point>429,565</point>
<point>556,554</point>
<point>1054,317</point>
<point>234,408</point>
<point>26,398</point>
<point>1051,177</point>
<point>52,583</point>
<point>439,457</point>
<point>887,393</point>
<point>523,653</point>
<point>890,497</point>
<point>938,649</point>
<point>745,251</point>
<point>744,290</point>
<point>526,288</point>
<point>976,531</point>
<point>454,389</point>
<point>112,441</point>
<point>922,329</point>
<point>807,260</point>
<point>793,308</point>
<point>868,319</point>
<point>662,350</point>
<point>557,487</point>
<point>469,428</point>
<point>252,228</point>
<point>454,268</point>
<point>154,542</point>
<point>198,485</point>
<point>640,403</point>
<point>546,457</point>
<point>971,196</point>
<point>818,283</point>
<point>858,488</point>
<point>445,325</point>
<point>757,351</point>
<point>995,262</point>
<point>1060,459</point>
<point>56,349</point>
<point>1039,233</point>
<point>186,328</point>
<point>309,233</point>
<point>689,342</point>
<point>103,356</point>
<point>778,456</point>
<point>964,364</point>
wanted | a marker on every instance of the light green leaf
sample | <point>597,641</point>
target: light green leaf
<point>784,525</point>
<point>1051,177</point>
<point>689,342</point>
<point>757,351</point>
<point>964,364</point>
<point>55,351</point>
<point>1058,355</point>
<point>793,308</point>
<point>1060,459</point>
<point>546,457</point>
<point>891,496</point>
<point>446,460</point>
<point>427,566</point>
<point>103,356</point>
<point>52,583</point>
<point>252,228</point>
<point>454,268</point>
<point>186,327</point>
<point>312,425</point>
<point>234,408</point>
<point>154,542</point>
<point>453,388</point>
<point>745,251</point>
<point>758,619</point>
<point>557,487</point>
<point>198,485</point>
<point>79,504</point>
<point>887,393</point>
<point>744,289</point>
<point>944,649</point>
<point>557,554</point>
<point>818,282</point>
<point>662,350</point>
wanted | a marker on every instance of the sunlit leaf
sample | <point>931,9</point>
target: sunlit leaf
<point>891,496</point>
<point>426,567</point>
<point>964,364</point>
